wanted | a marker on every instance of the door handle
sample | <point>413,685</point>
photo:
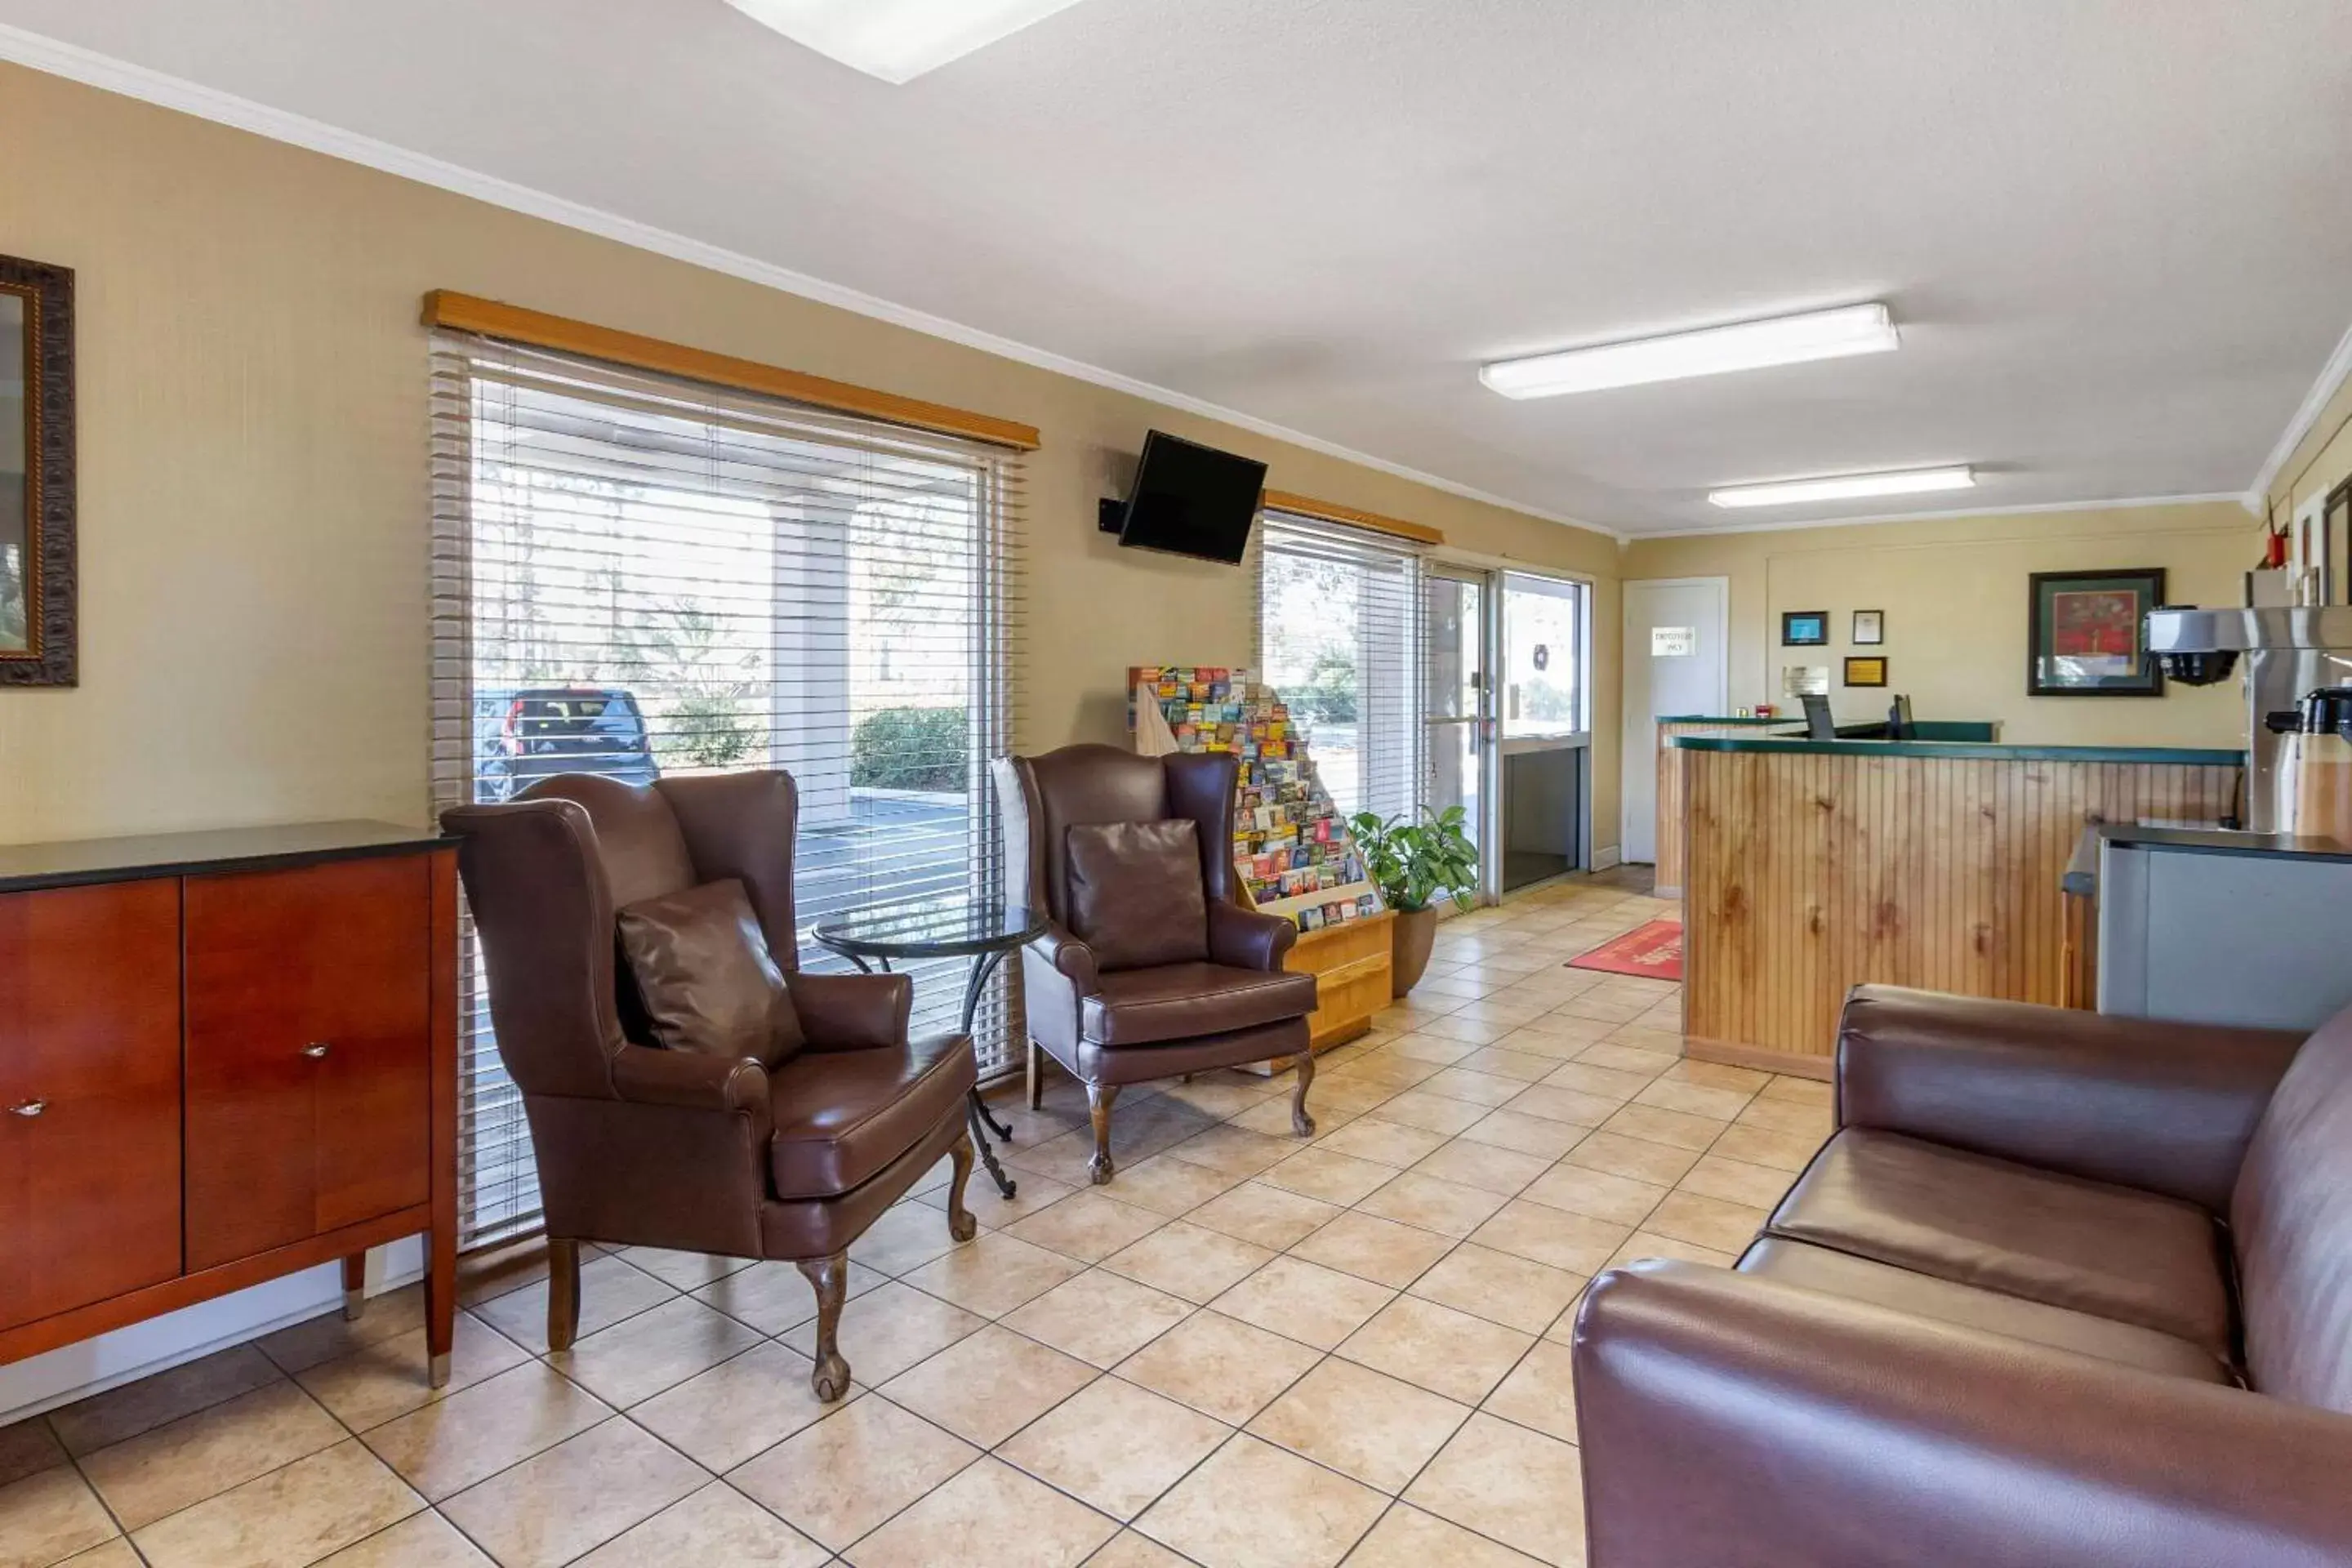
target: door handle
<point>316,1049</point>
<point>29,1107</point>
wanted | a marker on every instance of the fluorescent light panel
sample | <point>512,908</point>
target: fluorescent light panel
<point>1711,351</point>
<point>1845,486</point>
<point>898,40</point>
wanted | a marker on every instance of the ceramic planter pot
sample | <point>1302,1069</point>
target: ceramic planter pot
<point>1415,931</point>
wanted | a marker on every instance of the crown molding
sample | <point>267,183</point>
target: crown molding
<point>2103,503</point>
<point>2332,376</point>
<point>87,66</point>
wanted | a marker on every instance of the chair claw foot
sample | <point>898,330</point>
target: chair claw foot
<point>1099,1170</point>
<point>830,1381</point>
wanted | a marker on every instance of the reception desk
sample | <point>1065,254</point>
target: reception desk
<point>1811,866</point>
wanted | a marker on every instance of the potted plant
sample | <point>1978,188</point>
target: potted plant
<point>1414,865</point>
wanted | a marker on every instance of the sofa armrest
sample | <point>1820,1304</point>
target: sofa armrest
<point>2166,1108</point>
<point>1247,940</point>
<point>851,1012</point>
<point>1730,1419</point>
<point>691,1081</point>
<point>1071,959</point>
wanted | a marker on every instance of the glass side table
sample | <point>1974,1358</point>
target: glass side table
<point>950,925</point>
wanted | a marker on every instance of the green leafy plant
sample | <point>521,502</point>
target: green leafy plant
<point>926,749</point>
<point>1416,863</point>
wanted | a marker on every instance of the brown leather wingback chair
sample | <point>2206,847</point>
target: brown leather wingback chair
<point>678,1148</point>
<point>1111,1027</point>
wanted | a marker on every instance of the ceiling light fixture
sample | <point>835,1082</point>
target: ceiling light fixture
<point>898,40</point>
<point>1846,487</point>
<point>1710,351</point>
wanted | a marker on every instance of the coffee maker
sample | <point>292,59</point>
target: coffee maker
<point>2289,655</point>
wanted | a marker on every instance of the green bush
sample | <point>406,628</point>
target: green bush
<point>911,748</point>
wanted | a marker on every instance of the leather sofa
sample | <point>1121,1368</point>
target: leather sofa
<point>2061,1289</point>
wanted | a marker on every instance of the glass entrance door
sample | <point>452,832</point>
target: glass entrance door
<point>1546,739</point>
<point>1457,712</point>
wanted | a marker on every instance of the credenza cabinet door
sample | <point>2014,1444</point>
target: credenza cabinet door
<point>90,1095</point>
<point>309,1079</point>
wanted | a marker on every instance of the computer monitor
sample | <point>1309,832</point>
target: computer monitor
<point>1899,721</point>
<point>1818,724</point>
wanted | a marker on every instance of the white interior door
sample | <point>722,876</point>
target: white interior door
<point>1677,661</point>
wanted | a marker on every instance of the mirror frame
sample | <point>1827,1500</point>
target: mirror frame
<point>51,587</point>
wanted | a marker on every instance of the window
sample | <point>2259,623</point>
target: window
<point>1340,637</point>
<point>1543,656</point>
<point>641,576</point>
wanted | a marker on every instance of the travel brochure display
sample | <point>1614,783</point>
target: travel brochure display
<point>1291,846</point>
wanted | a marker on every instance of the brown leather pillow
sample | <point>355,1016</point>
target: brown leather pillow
<point>1134,893</point>
<point>705,977</point>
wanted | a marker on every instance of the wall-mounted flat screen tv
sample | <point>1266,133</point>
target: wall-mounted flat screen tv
<point>1189,500</point>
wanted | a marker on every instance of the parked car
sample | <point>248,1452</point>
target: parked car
<point>520,735</point>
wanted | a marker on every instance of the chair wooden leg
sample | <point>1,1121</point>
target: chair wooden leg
<point>830,1278</point>
<point>1036,1077</point>
<point>1300,1122</point>
<point>960,1223</point>
<point>1099,1098</point>
<point>562,1293</point>
<point>354,1286</point>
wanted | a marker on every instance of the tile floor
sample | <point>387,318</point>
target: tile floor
<point>1244,1352</point>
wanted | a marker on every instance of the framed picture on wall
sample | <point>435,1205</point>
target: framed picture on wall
<point>37,625</point>
<point>1866,670</point>
<point>2335,526</point>
<point>1869,627</point>
<point>1804,628</point>
<point>2086,634</point>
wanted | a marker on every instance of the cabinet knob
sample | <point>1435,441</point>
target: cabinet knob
<point>29,1108</point>
<point>315,1049</point>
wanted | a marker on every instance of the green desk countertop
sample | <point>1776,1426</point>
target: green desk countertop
<point>1961,751</point>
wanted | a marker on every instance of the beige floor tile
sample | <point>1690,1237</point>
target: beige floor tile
<point>1435,1113</point>
<point>738,1408</point>
<point>1540,1392</point>
<point>989,1516</point>
<point>715,1526</point>
<point>1695,1099</point>
<point>1521,1133</point>
<point>183,1462</point>
<point>1088,1225</point>
<point>1558,1103</point>
<point>1757,1146</point>
<point>775,1298</point>
<point>420,1541</point>
<point>987,1387</point>
<point>331,1336</point>
<point>841,1478</point>
<point>1331,1111</point>
<point>1563,1027</point>
<point>115,1553</point>
<point>1063,1159</point>
<point>1383,1141</point>
<point>1114,1445</point>
<point>638,1359</point>
<point>1707,1222</point>
<point>89,1424</point>
<point>994,1209</point>
<point>1361,1423</point>
<point>1267,1215</point>
<point>28,1448</point>
<point>1484,1090</point>
<point>1408,1538</point>
<point>1736,1181</point>
<point>472,1436</point>
<point>1234,1150</point>
<point>1189,1261</point>
<point>1797,1120</point>
<point>1296,1515</point>
<point>1528,1040</point>
<point>1370,1248</point>
<point>1447,1208</point>
<point>1304,1301</point>
<point>1619,1055</point>
<point>1502,1172</point>
<point>1437,1347</point>
<point>309,1510</point>
<point>1223,1095</point>
<point>1435,1048</point>
<point>1600,1083</point>
<point>1576,1243</point>
<point>884,1332</point>
<point>993,1274</point>
<point>1512,1485</point>
<point>1609,1009</point>
<point>683,1270</point>
<point>1800,1091</point>
<point>1129,1549</point>
<point>1320,1173</point>
<point>1598,1194</point>
<point>1099,1317</point>
<point>610,1292</point>
<point>1501,1061</point>
<point>495,1272</point>
<point>372,1384</point>
<point>906,1237</point>
<point>580,1493</point>
<point>1660,1164</point>
<point>1747,1081</point>
<point>1454,1025</point>
<point>1516,1292</point>
<point>50,1516</point>
<point>1218,1366</point>
<point>1650,1244</point>
<point>1169,1188</point>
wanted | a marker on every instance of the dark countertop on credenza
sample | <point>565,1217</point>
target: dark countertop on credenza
<point>2082,876</point>
<point>29,867</point>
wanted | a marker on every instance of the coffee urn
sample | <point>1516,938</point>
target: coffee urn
<point>2314,782</point>
<point>2287,657</point>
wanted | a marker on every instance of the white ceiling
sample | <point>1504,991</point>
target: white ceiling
<point>2118,233</point>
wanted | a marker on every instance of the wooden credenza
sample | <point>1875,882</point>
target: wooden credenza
<point>223,1057</point>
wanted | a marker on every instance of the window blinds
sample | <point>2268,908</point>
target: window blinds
<point>636,575</point>
<point>1339,617</point>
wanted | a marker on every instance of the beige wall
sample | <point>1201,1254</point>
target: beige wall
<point>1955,594</point>
<point>2320,462</point>
<point>252,507</point>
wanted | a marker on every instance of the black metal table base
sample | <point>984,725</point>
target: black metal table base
<point>976,1109</point>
